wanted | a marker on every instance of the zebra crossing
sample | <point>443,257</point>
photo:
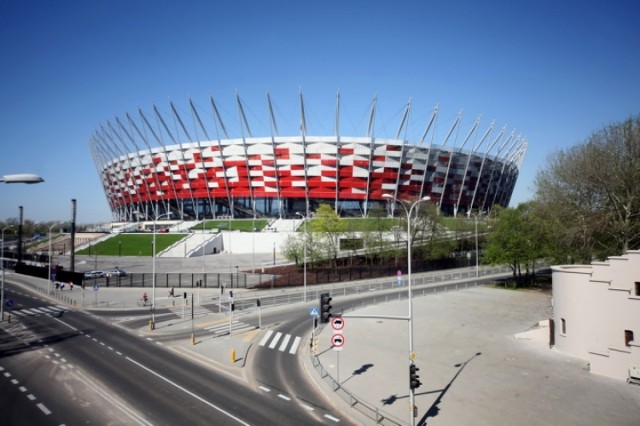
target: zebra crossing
<point>272,341</point>
<point>41,310</point>
<point>197,310</point>
<point>236,327</point>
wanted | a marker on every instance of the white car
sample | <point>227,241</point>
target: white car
<point>93,274</point>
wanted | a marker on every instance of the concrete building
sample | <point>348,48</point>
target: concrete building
<point>596,313</point>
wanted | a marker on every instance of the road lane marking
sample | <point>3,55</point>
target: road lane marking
<point>284,343</point>
<point>264,388</point>
<point>307,407</point>
<point>294,346</point>
<point>44,409</point>
<point>266,338</point>
<point>330,417</point>
<point>199,398</point>
<point>31,397</point>
<point>285,397</point>
<point>22,389</point>
<point>274,342</point>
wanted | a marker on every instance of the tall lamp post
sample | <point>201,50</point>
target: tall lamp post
<point>304,260</point>
<point>412,396</point>
<point>475,217</point>
<point>2,290</point>
<point>27,178</point>
<point>152,323</point>
<point>50,248</point>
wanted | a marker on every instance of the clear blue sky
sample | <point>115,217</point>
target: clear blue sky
<point>554,70</point>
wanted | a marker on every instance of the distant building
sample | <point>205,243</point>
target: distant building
<point>196,165</point>
<point>596,312</point>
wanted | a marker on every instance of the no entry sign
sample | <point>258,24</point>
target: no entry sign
<point>337,341</point>
<point>337,323</point>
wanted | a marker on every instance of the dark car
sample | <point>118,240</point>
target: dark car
<point>116,273</point>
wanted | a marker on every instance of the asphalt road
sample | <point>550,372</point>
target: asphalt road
<point>147,383</point>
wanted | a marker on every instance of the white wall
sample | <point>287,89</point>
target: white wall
<point>598,303</point>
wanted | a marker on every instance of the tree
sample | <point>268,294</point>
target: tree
<point>376,243</point>
<point>520,238</point>
<point>590,193</point>
<point>293,248</point>
<point>328,227</point>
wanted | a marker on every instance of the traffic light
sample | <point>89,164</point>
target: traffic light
<point>414,379</point>
<point>325,307</point>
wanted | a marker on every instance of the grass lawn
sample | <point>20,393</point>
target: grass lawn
<point>131,245</point>
<point>243,225</point>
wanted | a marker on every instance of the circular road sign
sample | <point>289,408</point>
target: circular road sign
<point>96,287</point>
<point>337,340</point>
<point>337,323</point>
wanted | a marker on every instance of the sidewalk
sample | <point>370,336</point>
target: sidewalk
<point>473,369</point>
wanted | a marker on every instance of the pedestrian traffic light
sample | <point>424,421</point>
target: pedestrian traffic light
<point>414,379</point>
<point>325,307</point>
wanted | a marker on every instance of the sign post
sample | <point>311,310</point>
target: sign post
<point>96,287</point>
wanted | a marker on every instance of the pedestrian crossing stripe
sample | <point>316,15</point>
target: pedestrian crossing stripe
<point>30,312</point>
<point>283,344</point>
<point>236,326</point>
<point>198,310</point>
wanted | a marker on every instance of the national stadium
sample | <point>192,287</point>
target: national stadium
<point>189,162</point>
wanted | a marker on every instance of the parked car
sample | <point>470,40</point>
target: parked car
<point>116,273</point>
<point>93,274</point>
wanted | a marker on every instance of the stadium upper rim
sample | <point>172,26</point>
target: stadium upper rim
<point>153,164</point>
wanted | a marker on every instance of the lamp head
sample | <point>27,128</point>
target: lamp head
<point>28,178</point>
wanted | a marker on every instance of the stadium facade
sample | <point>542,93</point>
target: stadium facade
<point>153,164</point>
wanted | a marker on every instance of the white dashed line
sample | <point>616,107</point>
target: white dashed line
<point>264,388</point>
<point>14,381</point>
<point>31,397</point>
<point>330,417</point>
<point>44,409</point>
<point>285,397</point>
<point>7,374</point>
<point>307,407</point>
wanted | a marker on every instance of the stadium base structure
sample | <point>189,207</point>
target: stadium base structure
<point>148,170</point>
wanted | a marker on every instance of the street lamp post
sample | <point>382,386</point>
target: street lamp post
<point>412,395</point>
<point>304,260</point>
<point>27,178</point>
<point>475,217</point>
<point>50,248</point>
<point>2,289</point>
<point>152,323</point>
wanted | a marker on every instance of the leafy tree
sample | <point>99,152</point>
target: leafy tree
<point>376,243</point>
<point>519,239</point>
<point>590,193</point>
<point>328,227</point>
<point>293,248</point>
